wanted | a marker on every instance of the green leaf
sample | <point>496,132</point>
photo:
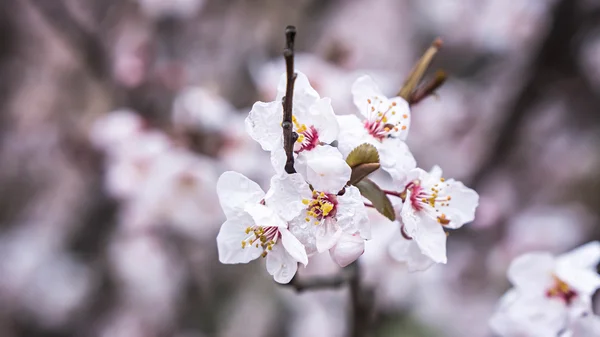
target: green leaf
<point>380,201</point>
<point>362,171</point>
<point>363,154</point>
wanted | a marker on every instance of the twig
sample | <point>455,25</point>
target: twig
<point>329,282</point>
<point>419,70</point>
<point>84,41</point>
<point>429,88</point>
<point>362,303</point>
<point>289,136</point>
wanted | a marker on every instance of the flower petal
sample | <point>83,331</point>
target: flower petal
<point>235,190</point>
<point>586,256</point>
<point>229,242</point>
<point>431,239</point>
<point>363,89</point>
<point>396,158</point>
<point>407,251</point>
<point>351,213</point>
<point>286,194</point>
<point>293,246</point>
<point>281,265</point>
<point>326,170</point>
<point>532,272</point>
<point>463,203</point>
<point>263,124</point>
<point>264,216</point>
<point>323,119</point>
<point>328,234</point>
<point>348,248</point>
<point>352,134</point>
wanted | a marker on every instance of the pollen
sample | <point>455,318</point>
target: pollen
<point>405,116</point>
<point>443,220</point>
<point>321,206</point>
<point>393,103</point>
<point>403,127</point>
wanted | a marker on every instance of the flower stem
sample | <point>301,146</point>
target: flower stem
<point>394,193</point>
<point>289,137</point>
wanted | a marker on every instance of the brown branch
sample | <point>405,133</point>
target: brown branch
<point>289,136</point>
<point>84,41</point>
<point>419,70</point>
<point>325,282</point>
<point>429,88</point>
<point>362,304</point>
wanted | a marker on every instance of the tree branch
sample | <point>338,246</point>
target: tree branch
<point>328,282</point>
<point>429,88</point>
<point>362,303</point>
<point>289,136</point>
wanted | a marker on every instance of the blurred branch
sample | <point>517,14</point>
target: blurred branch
<point>315,283</point>
<point>415,76</point>
<point>83,40</point>
<point>289,137</point>
<point>362,304</point>
<point>555,60</point>
<point>429,88</point>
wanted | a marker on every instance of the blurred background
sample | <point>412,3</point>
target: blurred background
<point>117,117</point>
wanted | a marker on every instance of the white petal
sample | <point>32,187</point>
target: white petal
<point>328,234</point>
<point>431,239</point>
<point>293,246</point>
<point>279,158</point>
<point>396,158</point>
<point>518,315</point>
<point>281,265</point>
<point>352,134</point>
<point>286,194</point>
<point>229,242</point>
<point>263,124</point>
<point>235,190</point>
<point>305,232</point>
<point>327,173</point>
<point>586,256</point>
<point>264,216</point>
<point>584,281</point>
<point>348,248</point>
<point>407,251</point>
<point>363,89</point>
<point>352,214</point>
<point>463,204</point>
<point>324,120</point>
<point>532,272</point>
<point>303,91</point>
<point>401,117</point>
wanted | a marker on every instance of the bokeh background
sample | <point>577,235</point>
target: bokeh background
<point>108,219</point>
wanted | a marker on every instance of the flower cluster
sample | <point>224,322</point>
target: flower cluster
<point>323,206</point>
<point>552,296</point>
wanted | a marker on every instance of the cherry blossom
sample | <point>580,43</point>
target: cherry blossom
<point>550,293</point>
<point>332,212</point>
<point>385,125</point>
<point>432,204</point>
<point>256,223</point>
<point>313,120</point>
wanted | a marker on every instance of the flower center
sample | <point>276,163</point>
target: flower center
<point>383,121</point>
<point>420,197</point>
<point>308,137</point>
<point>259,236</point>
<point>561,290</point>
<point>321,206</point>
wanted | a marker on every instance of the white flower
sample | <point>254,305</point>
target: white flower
<point>549,293</point>
<point>385,125</point>
<point>586,326</point>
<point>407,251</point>
<point>348,248</point>
<point>313,120</point>
<point>432,204</point>
<point>331,209</point>
<point>256,223</point>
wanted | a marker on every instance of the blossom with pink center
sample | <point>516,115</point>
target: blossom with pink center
<point>432,204</point>
<point>550,295</point>
<point>257,225</point>
<point>334,217</point>
<point>313,121</point>
<point>385,125</point>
